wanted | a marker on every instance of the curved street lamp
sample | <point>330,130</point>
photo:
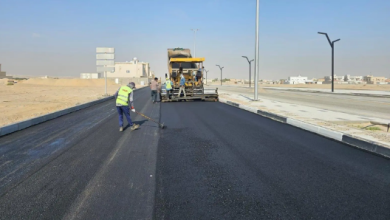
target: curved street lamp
<point>221,72</point>
<point>332,46</point>
<point>249,69</point>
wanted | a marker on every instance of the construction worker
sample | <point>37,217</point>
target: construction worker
<point>182,86</point>
<point>168,85</point>
<point>124,102</point>
<point>154,87</point>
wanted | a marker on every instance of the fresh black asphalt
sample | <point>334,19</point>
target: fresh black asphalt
<point>219,162</point>
<point>80,166</point>
<point>213,161</point>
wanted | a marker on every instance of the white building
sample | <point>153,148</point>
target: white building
<point>353,79</point>
<point>337,79</point>
<point>296,80</point>
<point>132,69</point>
<point>91,75</point>
<point>347,79</point>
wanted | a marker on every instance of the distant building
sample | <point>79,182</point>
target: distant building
<point>296,80</point>
<point>91,75</point>
<point>353,79</point>
<point>337,79</point>
<point>3,75</point>
<point>310,81</point>
<point>132,69</point>
<point>282,81</point>
<point>374,80</point>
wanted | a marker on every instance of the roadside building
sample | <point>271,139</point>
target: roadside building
<point>370,79</point>
<point>267,81</point>
<point>132,69</point>
<point>3,75</point>
<point>91,75</point>
<point>353,79</point>
<point>337,79</point>
<point>296,80</point>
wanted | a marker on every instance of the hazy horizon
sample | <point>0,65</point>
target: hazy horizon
<point>60,38</point>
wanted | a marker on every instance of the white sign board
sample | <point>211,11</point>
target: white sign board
<point>105,56</point>
<point>105,50</point>
<point>105,62</point>
<point>101,69</point>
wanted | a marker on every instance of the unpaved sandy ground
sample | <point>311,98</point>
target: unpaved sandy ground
<point>34,97</point>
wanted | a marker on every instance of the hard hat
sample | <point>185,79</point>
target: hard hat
<point>132,85</point>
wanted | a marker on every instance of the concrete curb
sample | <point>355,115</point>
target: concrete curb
<point>34,121</point>
<point>363,144</point>
<point>322,92</point>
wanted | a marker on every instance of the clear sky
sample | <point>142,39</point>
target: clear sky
<point>59,38</point>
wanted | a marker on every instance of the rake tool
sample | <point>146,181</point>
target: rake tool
<point>162,126</point>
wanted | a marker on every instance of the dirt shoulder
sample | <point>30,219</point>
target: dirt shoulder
<point>35,97</point>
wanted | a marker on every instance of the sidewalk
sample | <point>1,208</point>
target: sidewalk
<point>337,91</point>
<point>346,123</point>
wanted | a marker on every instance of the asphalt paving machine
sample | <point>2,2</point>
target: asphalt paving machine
<point>180,62</point>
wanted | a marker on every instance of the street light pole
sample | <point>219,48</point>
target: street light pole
<point>250,68</point>
<point>257,51</point>
<point>206,75</point>
<point>332,46</point>
<point>194,30</point>
<point>221,72</point>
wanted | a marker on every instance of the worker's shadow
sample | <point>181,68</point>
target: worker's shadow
<point>136,122</point>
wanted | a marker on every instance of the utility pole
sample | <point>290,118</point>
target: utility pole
<point>206,75</point>
<point>250,68</point>
<point>332,46</point>
<point>194,30</point>
<point>221,72</point>
<point>257,52</point>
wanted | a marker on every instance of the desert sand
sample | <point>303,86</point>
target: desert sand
<point>34,97</point>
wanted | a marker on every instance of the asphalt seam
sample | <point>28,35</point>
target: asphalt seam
<point>45,163</point>
<point>359,143</point>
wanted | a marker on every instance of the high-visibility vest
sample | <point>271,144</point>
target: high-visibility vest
<point>168,84</point>
<point>123,95</point>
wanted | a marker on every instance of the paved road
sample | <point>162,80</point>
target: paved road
<point>212,162</point>
<point>80,166</point>
<point>359,105</point>
<point>219,162</point>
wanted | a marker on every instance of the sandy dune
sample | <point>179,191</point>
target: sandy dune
<point>34,97</point>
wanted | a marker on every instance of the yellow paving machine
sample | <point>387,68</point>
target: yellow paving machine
<point>180,62</point>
